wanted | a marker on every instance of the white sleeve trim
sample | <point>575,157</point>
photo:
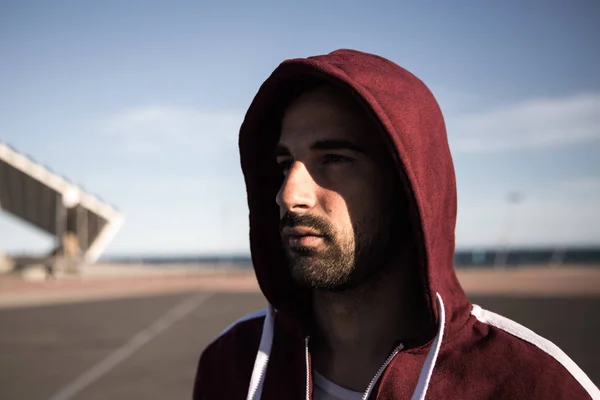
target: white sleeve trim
<point>257,314</point>
<point>543,344</point>
<point>247,317</point>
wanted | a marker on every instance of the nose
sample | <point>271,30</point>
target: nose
<point>297,192</point>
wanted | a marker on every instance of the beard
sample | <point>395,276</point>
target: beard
<point>341,262</point>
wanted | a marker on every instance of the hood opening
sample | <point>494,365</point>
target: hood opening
<point>366,78</point>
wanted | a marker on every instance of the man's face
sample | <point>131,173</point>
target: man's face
<point>336,201</point>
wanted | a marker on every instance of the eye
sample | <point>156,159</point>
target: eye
<point>335,159</point>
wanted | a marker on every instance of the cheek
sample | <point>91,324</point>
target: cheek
<point>337,211</point>
<point>353,210</point>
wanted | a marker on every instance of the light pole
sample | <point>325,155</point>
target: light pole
<point>512,200</point>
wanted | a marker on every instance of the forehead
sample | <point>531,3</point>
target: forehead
<point>325,113</point>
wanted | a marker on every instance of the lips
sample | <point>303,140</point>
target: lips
<point>301,237</point>
<point>299,231</point>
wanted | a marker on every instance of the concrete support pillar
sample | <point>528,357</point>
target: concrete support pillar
<point>82,228</point>
<point>60,229</point>
<point>69,218</point>
<point>71,241</point>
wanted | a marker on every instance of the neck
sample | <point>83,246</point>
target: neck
<point>361,326</point>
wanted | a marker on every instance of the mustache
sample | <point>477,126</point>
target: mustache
<point>292,220</point>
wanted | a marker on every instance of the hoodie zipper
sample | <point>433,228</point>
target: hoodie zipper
<point>307,367</point>
<point>367,392</point>
<point>380,371</point>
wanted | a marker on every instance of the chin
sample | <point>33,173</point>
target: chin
<point>316,276</point>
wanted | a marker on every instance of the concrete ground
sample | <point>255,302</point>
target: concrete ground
<point>45,351</point>
<point>146,343</point>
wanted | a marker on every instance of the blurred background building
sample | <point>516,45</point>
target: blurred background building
<point>80,224</point>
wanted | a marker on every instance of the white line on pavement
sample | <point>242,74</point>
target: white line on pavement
<point>131,346</point>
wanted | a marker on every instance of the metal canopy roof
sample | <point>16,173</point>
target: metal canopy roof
<point>36,195</point>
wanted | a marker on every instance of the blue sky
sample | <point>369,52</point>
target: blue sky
<point>140,102</point>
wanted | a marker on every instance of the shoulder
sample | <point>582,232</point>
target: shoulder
<point>528,360</point>
<point>241,336</point>
<point>226,363</point>
<point>252,322</point>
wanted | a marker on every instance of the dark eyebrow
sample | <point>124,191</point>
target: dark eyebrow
<point>337,144</point>
<point>329,144</point>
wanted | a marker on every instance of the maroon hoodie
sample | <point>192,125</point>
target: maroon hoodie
<point>475,354</point>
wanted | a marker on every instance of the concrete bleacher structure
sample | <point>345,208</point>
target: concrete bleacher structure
<point>81,224</point>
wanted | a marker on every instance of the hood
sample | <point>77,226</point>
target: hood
<point>410,115</point>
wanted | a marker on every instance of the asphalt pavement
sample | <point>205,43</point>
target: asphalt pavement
<point>148,347</point>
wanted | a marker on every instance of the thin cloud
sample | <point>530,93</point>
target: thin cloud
<point>549,123</point>
<point>589,185</point>
<point>160,128</point>
<point>546,123</point>
<point>534,222</point>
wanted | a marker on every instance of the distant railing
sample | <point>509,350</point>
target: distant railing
<point>464,258</point>
<point>519,257</point>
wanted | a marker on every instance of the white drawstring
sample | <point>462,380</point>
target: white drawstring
<point>262,356</point>
<point>266,340</point>
<point>427,370</point>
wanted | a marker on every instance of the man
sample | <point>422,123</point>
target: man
<point>352,200</point>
